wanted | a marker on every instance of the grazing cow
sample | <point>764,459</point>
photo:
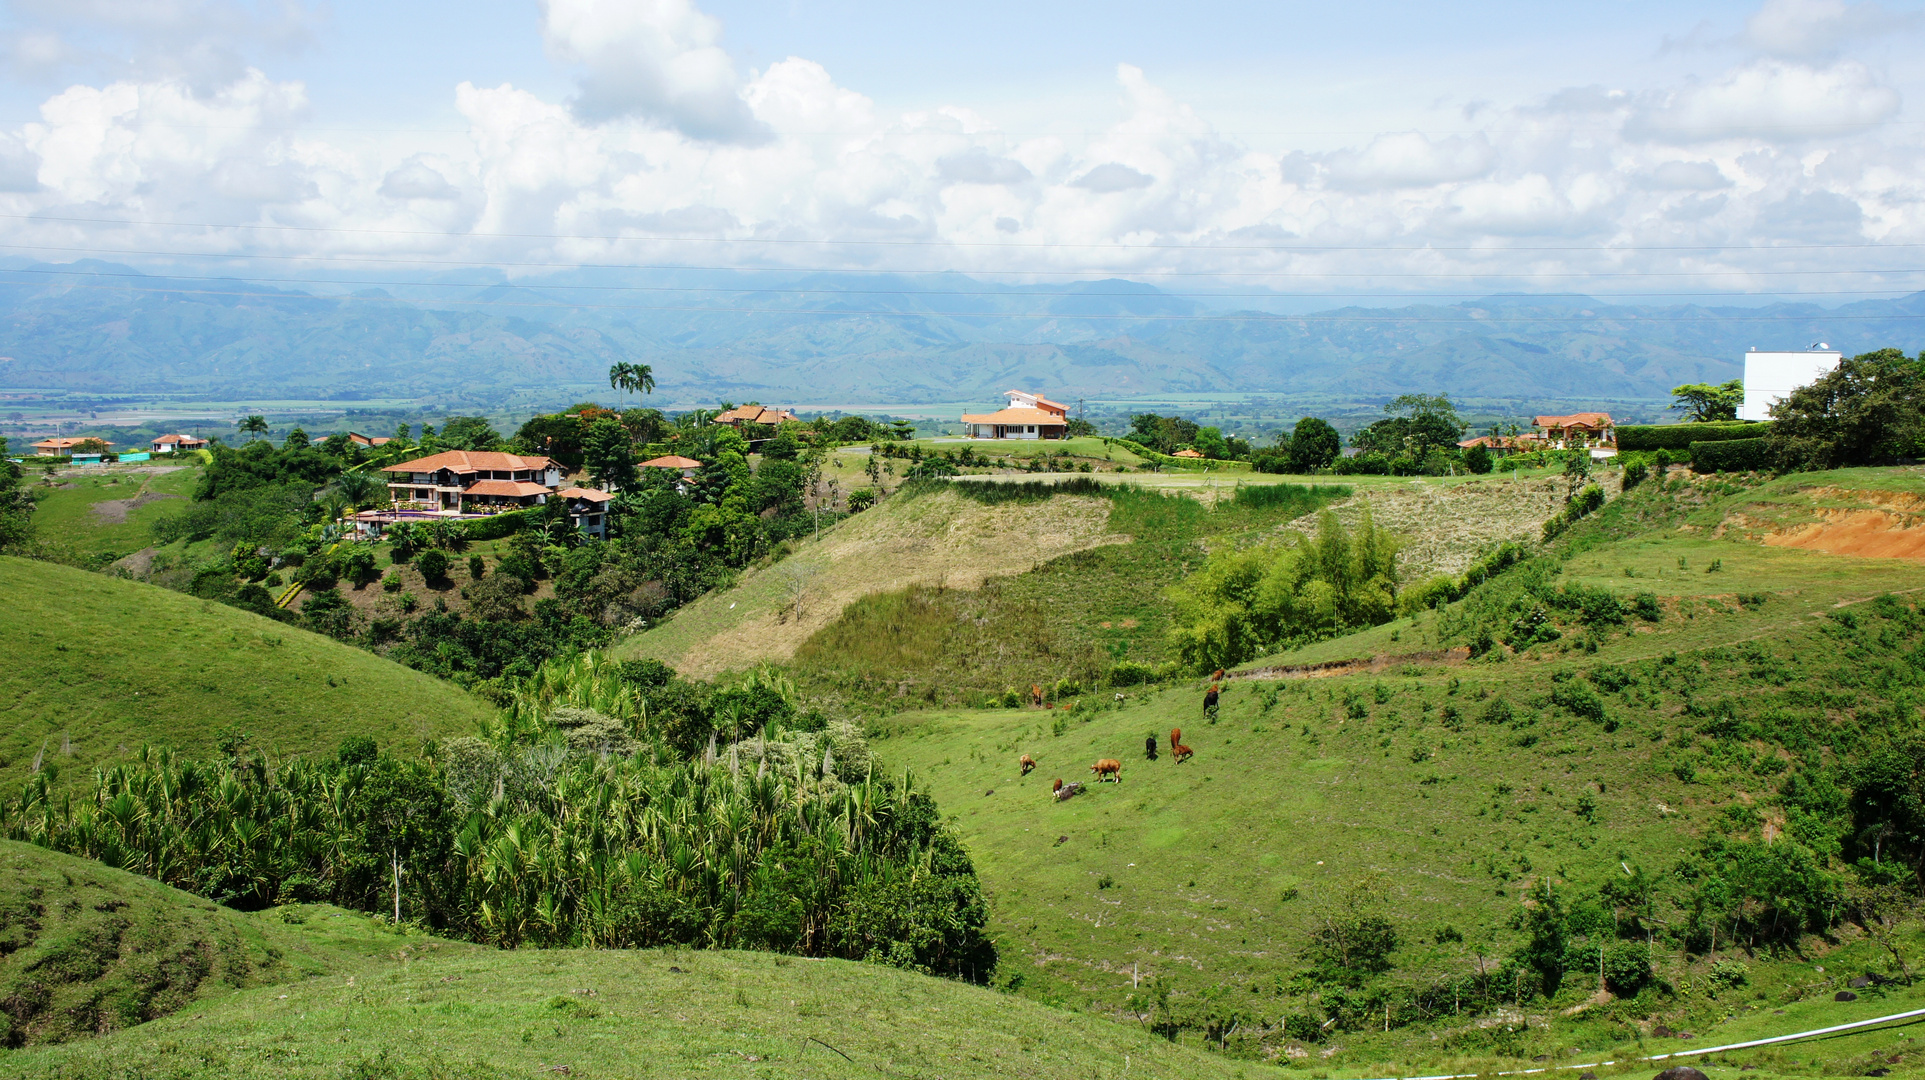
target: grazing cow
<point>1035,695</point>
<point>1057,788</point>
<point>1209,702</point>
<point>1218,677</point>
<point>1108,769</point>
<point>1028,763</point>
<point>1181,753</point>
<point>1149,747</point>
<point>1176,736</point>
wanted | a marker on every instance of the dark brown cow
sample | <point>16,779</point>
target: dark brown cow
<point>1149,747</point>
<point>1028,763</point>
<point>1181,753</point>
<point>1210,700</point>
<point>1108,769</point>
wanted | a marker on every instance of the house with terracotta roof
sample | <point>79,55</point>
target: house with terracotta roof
<point>1186,452</point>
<point>1505,445</point>
<point>464,479</point>
<point>359,439</point>
<point>1578,430</point>
<point>63,446</point>
<point>167,444</point>
<point>1029,416</point>
<point>587,509</point>
<point>754,421</point>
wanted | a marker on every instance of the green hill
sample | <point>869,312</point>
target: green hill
<point>316,992</point>
<point>1457,791</point>
<point>85,949</point>
<point>96,666</point>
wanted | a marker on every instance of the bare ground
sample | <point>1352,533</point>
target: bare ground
<point>115,511</point>
<point>1868,524</point>
<point>936,539</point>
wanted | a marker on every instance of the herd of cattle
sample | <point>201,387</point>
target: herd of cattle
<point>1112,769</point>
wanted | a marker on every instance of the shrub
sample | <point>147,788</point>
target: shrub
<point>1586,501</point>
<point>861,499</point>
<point>1579,699</point>
<point>1681,436</point>
<point>1739,455</point>
<point>1627,967</point>
<point>357,564</point>
<point>1634,474</point>
<point>477,567</point>
<point>392,582</point>
<point>1477,460</point>
<point>1130,673</point>
<point>1645,606</point>
<point>433,564</point>
<point>1429,593</point>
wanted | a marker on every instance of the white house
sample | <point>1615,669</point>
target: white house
<point>1770,377</point>
<point>457,479</point>
<point>1029,416</point>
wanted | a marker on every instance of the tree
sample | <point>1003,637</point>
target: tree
<point>1704,403</point>
<point>254,426</point>
<point>1869,410</point>
<point>904,430</point>
<point>1313,445</point>
<point>469,433</point>
<point>297,440</point>
<point>433,564</point>
<point>1209,442</point>
<point>625,376</point>
<point>1422,423</point>
<point>558,436</point>
<point>609,457</point>
<point>1477,460</point>
<point>16,504</point>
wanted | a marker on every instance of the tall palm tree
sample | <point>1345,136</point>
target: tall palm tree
<point>618,378</point>
<point>625,376</point>
<point>254,425</point>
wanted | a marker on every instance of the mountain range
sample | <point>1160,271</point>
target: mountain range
<point>104,328</point>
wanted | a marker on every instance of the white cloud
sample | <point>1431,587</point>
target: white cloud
<point>1409,159</point>
<point>1770,100</point>
<point>655,59</point>
<point>1683,176</point>
<point>416,179</point>
<point>1111,177</point>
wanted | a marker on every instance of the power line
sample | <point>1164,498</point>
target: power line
<point>797,291</point>
<point>1045,246</point>
<point>1234,317</point>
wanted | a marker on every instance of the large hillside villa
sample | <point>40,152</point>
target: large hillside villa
<point>1577,430</point>
<point>754,421</point>
<point>1028,416</point>
<point>459,479</point>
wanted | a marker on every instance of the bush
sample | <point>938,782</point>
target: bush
<point>496,526</point>
<point>1681,436</point>
<point>392,582</point>
<point>861,499</point>
<point>1634,474</point>
<point>1477,460</point>
<point>477,567</point>
<point>433,564</point>
<point>1739,455</point>
<point>1586,501</point>
<point>1130,673</point>
<point>1627,967</point>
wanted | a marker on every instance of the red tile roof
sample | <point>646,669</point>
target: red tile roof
<point>504,487</point>
<point>186,440</point>
<point>467,461</point>
<point>1583,419</point>
<point>585,493</point>
<point>1187,453</point>
<point>670,462</point>
<point>755,414</point>
<point>64,443</point>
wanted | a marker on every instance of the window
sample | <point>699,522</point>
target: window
<point>1030,430</point>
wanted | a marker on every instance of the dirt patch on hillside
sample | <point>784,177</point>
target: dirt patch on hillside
<point>1441,528</point>
<point>1876,524</point>
<point>941,539</point>
<point>1361,666</point>
<point>139,564</point>
<point>115,511</point>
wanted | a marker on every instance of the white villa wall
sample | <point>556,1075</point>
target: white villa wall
<point>1770,377</point>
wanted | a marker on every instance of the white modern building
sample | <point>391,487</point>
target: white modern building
<point>1770,377</point>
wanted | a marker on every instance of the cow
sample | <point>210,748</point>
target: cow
<point>1218,677</point>
<point>1108,769</point>
<point>1181,753</point>
<point>1209,702</point>
<point>1035,695</point>
<point>1149,747</point>
<point>1028,763</point>
<point>1176,736</point>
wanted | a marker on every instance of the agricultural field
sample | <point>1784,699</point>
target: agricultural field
<point>99,666</point>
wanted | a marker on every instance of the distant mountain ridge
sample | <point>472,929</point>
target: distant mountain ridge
<point>873,339</point>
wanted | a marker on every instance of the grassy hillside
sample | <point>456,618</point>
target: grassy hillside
<point>1620,745</point>
<point>92,516</point>
<point>661,1013</point>
<point>85,949</point>
<point>940,539</point>
<point>96,666</point>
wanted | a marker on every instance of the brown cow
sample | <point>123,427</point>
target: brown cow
<point>1028,763</point>
<point>1108,769</point>
<point>1035,695</point>
<point>1218,677</point>
<point>1181,753</point>
<point>1057,788</point>
<point>1176,736</point>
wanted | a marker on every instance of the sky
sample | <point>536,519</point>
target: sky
<point>1377,149</point>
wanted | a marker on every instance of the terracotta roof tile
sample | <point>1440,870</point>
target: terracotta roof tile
<point>504,487</point>
<point>465,461</point>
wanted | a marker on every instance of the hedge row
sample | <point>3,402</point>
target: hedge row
<point>1680,436</point>
<point>1736,455</point>
<point>495,526</point>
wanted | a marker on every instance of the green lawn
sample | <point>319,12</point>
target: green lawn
<point>97,666</point>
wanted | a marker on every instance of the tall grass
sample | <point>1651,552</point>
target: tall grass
<point>1295,499</point>
<point>992,493</point>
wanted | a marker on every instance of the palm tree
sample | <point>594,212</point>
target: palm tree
<point>254,425</point>
<point>625,376</point>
